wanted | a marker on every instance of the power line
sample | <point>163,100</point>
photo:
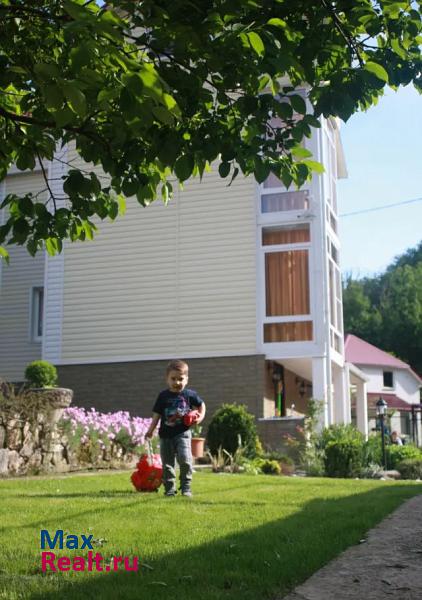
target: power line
<point>367,210</point>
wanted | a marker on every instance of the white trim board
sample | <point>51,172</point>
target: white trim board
<point>149,357</point>
<point>54,277</point>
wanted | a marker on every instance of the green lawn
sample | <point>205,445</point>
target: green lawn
<point>241,536</point>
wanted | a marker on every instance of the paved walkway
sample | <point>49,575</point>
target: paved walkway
<point>387,565</point>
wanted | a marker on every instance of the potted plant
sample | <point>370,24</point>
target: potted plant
<point>198,442</point>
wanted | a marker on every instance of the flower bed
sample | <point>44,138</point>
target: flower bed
<point>40,433</point>
<point>103,439</point>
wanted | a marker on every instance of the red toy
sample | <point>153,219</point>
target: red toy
<point>191,418</point>
<point>149,472</point>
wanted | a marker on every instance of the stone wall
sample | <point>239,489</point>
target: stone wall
<point>32,440</point>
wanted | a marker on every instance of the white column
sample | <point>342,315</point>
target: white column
<point>320,388</point>
<point>361,408</point>
<point>341,393</point>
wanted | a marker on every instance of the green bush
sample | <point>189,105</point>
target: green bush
<point>340,433</point>
<point>230,427</point>
<point>396,454</point>
<point>270,467</point>
<point>343,458</point>
<point>410,468</point>
<point>280,457</point>
<point>41,374</point>
<point>372,451</point>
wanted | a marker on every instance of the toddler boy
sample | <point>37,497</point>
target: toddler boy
<point>170,407</point>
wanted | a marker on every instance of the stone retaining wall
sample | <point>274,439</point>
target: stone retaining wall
<point>32,440</point>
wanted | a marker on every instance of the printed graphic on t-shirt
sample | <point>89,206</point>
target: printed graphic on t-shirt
<point>173,415</point>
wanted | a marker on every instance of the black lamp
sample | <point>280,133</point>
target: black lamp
<point>381,407</point>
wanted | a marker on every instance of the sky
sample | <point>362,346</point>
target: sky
<point>383,150</point>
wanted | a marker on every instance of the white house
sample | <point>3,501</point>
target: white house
<point>377,374</point>
<point>243,281</point>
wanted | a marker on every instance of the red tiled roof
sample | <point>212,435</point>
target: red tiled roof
<point>359,352</point>
<point>392,400</point>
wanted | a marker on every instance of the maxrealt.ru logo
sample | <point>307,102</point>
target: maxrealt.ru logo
<point>92,562</point>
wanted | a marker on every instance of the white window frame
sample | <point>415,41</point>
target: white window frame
<point>34,314</point>
<point>263,250</point>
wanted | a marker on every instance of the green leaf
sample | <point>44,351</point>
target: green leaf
<point>53,96</point>
<point>25,160</point>
<point>53,246</point>
<point>256,43</point>
<point>163,115</point>
<point>284,110</point>
<point>184,166</point>
<point>395,44</point>
<point>75,180</point>
<point>75,97</point>
<point>113,210</point>
<point>224,169</point>
<point>75,10</point>
<point>80,56</point>
<point>314,166</point>
<point>377,70</point>
<point>300,152</point>
<point>63,116</point>
<point>171,104</point>
<point>261,170</point>
<point>276,22</point>
<point>47,70</point>
<point>4,254</point>
<point>152,82</point>
<point>298,104</point>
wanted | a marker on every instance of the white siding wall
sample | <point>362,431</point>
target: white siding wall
<point>166,281</point>
<point>405,385</point>
<point>16,347</point>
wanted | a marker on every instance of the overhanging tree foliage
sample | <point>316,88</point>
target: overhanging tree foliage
<point>161,88</point>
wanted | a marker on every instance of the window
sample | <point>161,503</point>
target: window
<point>284,201</point>
<point>286,315</point>
<point>37,308</point>
<point>388,379</point>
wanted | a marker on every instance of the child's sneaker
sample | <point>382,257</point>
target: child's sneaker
<point>187,493</point>
<point>170,494</point>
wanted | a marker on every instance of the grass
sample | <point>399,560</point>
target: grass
<point>239,537</point>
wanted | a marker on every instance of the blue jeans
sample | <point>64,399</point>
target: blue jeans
<point>179,446</point>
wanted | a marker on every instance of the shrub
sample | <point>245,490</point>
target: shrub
<point>340,433</point>
<point>280,457</point>
<point>228,423</point>
<point>270,467</point>
<point>396,454</point>
<point>41,374</point>
<point>343,458</point>
<point>372,451</point>
<point>410,468</point>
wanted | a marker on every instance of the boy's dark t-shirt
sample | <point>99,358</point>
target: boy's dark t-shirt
<point>173,406</point>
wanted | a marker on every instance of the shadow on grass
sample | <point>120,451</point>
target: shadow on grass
<point>45,521</point>
<point>257,563</point>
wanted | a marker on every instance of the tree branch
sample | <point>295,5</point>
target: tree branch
<point>47,183</point>
<point>339,26</point>
<point>51,125</point>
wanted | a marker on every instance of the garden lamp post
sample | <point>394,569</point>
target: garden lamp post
<point>381,412</point>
